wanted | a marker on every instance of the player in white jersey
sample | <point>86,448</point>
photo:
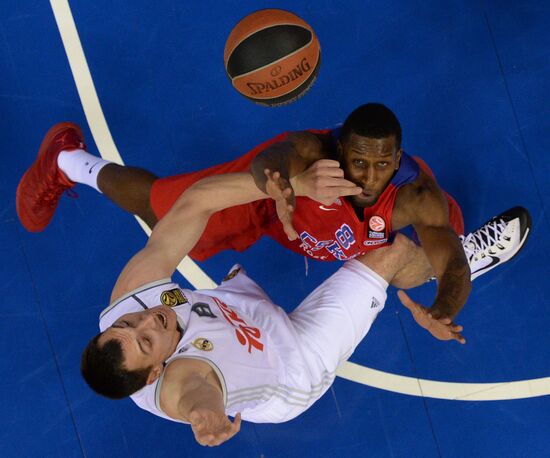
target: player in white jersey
<point>198,356</point>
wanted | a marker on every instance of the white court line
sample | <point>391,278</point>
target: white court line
<point>444,390</point>
<point>199,280</point>
<point>96,120</point>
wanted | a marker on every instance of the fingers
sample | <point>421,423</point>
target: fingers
<point>285,211</point>
<point>327,163</point>
<point>331,189</point>
<point>407,301</point>
<point>348,191</point>
<point>419,313</point>
<point>274,176</point>
<point>441,328</point>
<point>336,183</point>
<point>455,332</point>
<point>456,328</point>
<point>197,420</point>
<point>217,433</point>
<point>287,225</point>
<point>448,335</point>
<point>237,422</point>
<point>290,232</point>
<point>280,190</point>
<point>460,338</point>
<point>281,184</point>
<point>324,181</point>
<point>452,330</point>
<point>329,174</point>
<point>449,331</point>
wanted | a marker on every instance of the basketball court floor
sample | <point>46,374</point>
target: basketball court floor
<point>470,83</point>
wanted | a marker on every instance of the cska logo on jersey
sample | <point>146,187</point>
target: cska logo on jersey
<point>245,334</point>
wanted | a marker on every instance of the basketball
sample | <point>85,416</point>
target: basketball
<point>272,57</point>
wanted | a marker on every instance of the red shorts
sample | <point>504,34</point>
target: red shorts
<point>234,228</point>
<point>455,213</point>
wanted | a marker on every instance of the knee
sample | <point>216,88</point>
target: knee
<point>404,247</point>
<point>408,280</point>
<point>415,268</point>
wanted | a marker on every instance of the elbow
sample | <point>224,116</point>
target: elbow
<point>462,271</point>
<point>198,199</point>
<point>468,284</point>
<point>469,281</point>
<point>257,168</point>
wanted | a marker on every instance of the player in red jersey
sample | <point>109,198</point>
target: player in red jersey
<point>389,190</point>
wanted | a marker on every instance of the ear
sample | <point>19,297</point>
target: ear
<point>339,149</point>
<point>154,374</point>
<point>398,158</point>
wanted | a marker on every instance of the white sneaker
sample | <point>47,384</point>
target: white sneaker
<point>497,241</point>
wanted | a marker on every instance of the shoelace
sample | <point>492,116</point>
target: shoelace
<point>485,237</point>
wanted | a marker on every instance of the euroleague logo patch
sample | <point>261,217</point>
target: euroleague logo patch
<point>377,223</point>
<point>173,297</point>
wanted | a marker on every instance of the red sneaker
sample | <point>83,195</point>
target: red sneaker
<point>40,189</point>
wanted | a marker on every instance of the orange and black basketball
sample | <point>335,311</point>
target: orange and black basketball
<point>272,57</point>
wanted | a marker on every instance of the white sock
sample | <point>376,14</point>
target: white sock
<point>81,166</point>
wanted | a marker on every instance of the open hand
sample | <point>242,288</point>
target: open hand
<point>212,428</point>
<point>324,182</point>
<point>279,189</point>
<point>441,327</point>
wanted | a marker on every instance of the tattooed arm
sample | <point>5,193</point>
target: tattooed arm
<point>427,209</point>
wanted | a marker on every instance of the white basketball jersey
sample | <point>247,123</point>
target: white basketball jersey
<point>249,342</point>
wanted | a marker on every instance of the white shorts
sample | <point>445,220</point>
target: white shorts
<point>315,338</point>
<point>337,315</point>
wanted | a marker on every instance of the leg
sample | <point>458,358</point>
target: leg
<point>338,314</point>
<point>130,189</point>
<point>402,262</point>
<point>63,161</point>
<point>415,273</point>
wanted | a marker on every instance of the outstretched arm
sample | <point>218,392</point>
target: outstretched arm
<point>191,392</point>
<point>178,232</point>
<point>429,213</point>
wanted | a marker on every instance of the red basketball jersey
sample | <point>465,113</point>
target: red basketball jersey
<point>336,232</point>
<point>327,233</point>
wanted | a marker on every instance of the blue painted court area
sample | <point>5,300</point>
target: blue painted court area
<point>470,83</point>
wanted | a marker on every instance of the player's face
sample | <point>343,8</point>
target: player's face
<point>148,338</point>
<point>370,163</point>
